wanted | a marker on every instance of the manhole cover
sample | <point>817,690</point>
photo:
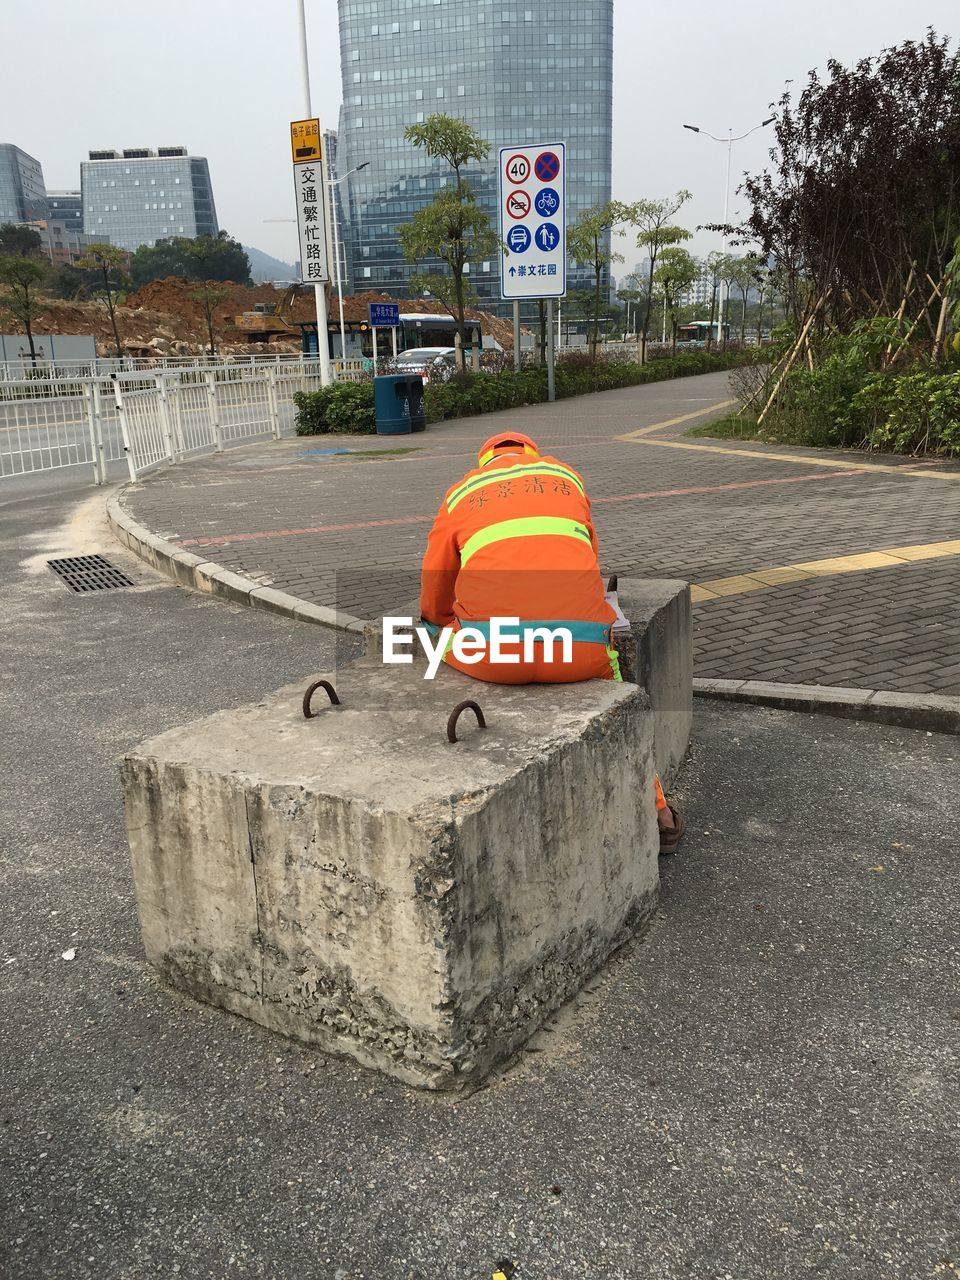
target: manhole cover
<point>89,573</point>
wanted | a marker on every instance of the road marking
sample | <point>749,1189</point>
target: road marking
<point>675,422</point>
<point>760,579</point>
<point>638,437</point>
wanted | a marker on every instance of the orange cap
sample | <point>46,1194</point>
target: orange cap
<point>507,442</point>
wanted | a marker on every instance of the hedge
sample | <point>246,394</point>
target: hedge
<point>347,407</point>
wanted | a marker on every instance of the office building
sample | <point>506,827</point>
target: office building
<point>66,207</point>
<point>64,242</point>
<point>519,73</point>
<point>139,196</point>
<point>23,196</point>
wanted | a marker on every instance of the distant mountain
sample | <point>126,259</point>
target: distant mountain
<point>265,268</point>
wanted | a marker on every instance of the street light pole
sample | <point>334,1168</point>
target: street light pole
<point>729,140</point>
<point>319,290</point>
<point>335,182</point>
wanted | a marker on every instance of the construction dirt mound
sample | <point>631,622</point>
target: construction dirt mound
<point>172,296</point>
<point>164,319</point>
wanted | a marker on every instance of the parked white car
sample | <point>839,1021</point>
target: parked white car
<point>438,363</point>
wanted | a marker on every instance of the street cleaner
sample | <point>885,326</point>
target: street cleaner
<point>514,540</point>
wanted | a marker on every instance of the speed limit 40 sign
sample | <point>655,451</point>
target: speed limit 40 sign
<point>533,227</point>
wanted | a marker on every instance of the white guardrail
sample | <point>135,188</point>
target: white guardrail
<point>148,417</point>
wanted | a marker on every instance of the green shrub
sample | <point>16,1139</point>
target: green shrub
<point>576,374</point>
<point>347,407</point>
<point>915,412</point>
<point>846,402</point>
<point>817,406</point>
<point>344,408</point>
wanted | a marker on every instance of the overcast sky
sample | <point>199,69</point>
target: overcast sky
<point>222,78</point>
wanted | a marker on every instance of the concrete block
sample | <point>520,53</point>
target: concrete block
<point>358,883</point>
<point>658,655</point>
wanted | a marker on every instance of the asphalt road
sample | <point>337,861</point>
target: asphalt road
<point>766,1085</point>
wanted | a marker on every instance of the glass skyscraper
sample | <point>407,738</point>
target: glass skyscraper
<point>519,72</point>
<point>23,195</point>
<point>139,196</point>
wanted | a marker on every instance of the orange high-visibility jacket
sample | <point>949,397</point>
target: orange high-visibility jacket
<point>514,539</point>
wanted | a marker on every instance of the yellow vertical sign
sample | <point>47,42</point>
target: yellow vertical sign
<point>305,140</point>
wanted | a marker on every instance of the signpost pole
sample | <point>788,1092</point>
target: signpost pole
<point>516,334</point>
<point>551,354</point>
<point>374,349</point>
<point>319,289</point>
<point>393,335</point>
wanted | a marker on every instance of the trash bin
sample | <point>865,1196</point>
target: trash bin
<point>398,404</point>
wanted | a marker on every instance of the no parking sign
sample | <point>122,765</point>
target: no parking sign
<point>533,221</point>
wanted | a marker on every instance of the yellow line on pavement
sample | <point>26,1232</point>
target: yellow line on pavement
<point>675,422</point>
<point>842,464</point>
<point>759,579</point>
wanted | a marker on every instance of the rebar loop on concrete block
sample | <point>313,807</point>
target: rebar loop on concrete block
<point>318,684</point>
<point>457,712</point>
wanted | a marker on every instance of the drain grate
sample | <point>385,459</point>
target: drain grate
<point>89,573</point>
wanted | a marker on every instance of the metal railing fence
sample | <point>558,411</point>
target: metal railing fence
<point>145,417</point>
<point>102,367</point>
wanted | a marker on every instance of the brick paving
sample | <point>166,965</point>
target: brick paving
<point>350,530</point>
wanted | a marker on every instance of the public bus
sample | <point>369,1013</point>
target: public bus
<point>697,332</point>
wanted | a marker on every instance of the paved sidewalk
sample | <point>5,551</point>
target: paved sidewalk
<point>349,529</point>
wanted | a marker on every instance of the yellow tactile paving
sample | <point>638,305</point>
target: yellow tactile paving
<point>849,564</point>
<point>929,551</point>
<point>759,579</point>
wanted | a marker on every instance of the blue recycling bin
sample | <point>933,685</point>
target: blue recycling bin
<point>398,404</point>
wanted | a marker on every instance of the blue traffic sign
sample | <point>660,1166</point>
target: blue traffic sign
<point>384,315</point>
<point>547,237</point>
<point>518,239</point>
<point>547,202</point>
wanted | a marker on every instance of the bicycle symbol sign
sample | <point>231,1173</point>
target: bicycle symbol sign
<point>547,202</point>
<point>518,204</point>
<point>518,168</point>
<point>547,167</point>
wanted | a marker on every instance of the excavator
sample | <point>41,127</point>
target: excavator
<point>268,320</point>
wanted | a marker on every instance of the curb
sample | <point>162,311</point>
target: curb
<point>936,713</point>
<point>206,575</point>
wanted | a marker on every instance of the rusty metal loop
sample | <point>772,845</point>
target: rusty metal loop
<point>457,712</point>
<point>612,584</point>
<point>318,684</point>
